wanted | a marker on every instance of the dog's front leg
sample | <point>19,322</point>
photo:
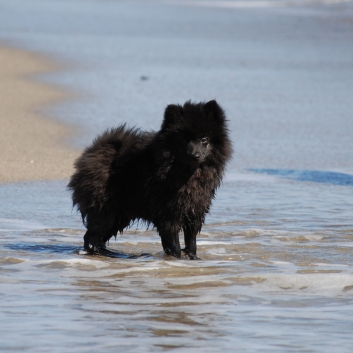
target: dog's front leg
<point>170,241</point>
<point>190,233</point>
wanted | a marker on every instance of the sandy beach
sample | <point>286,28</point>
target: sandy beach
<point>32,146</point>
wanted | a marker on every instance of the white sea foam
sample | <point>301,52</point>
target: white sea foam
<point>210,242</point>
<point>318,283</point>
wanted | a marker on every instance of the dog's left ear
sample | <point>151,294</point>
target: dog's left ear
<point>212,109</point>
<point>171,115</point>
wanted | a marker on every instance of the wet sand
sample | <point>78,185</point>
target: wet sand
<point>32,147</point>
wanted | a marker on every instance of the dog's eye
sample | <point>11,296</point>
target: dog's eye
<point>204,140</point>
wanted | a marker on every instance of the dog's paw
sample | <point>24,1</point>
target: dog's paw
<point>192,257</point>
<point>189,256</point>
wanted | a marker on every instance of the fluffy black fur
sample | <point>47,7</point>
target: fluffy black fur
<point>166,178</point>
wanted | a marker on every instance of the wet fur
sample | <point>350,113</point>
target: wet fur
<point>166,178</point>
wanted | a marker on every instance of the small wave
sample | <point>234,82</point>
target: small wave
<point>323,283</point>
<point>114,254</point>
<point>69,249</point>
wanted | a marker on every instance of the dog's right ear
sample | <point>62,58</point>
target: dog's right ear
<point>213,109</point>
<point>171,115</point>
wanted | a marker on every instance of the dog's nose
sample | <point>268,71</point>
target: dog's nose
<point>196,155</point>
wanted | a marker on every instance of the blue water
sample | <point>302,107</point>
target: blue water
<point>276,272</point>
<point>316,176</point>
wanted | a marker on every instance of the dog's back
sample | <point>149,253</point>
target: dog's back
<point>101,170</point>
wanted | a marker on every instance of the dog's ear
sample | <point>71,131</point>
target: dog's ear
<point>212,109</point>
<point>171,115</point>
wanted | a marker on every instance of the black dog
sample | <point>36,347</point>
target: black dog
<point>166,178</point>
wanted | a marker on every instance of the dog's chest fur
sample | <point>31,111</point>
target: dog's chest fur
<point>195,196</point>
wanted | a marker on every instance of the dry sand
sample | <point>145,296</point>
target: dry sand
<point>32,147</point>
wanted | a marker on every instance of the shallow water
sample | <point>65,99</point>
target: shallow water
<point>276,274</point>
<point>276,271</point>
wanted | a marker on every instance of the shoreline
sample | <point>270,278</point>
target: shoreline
<point>32,145</point>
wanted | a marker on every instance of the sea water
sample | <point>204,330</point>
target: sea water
<point>276,272</point>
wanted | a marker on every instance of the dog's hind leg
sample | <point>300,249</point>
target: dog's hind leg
<point>93,241</point>
<point>98,231</point>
